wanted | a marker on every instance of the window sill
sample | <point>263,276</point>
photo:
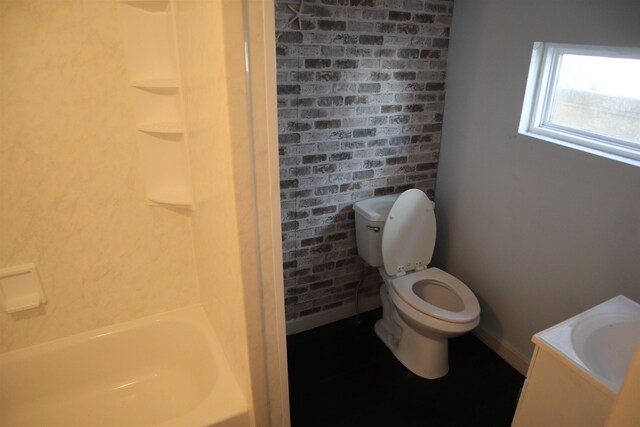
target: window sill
<point>581,144</point>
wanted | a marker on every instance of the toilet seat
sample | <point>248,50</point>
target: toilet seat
<point>403,286</point>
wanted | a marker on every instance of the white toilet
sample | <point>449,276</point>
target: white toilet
<point>422,307</point>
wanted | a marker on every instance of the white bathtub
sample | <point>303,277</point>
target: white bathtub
<point>167,370</point>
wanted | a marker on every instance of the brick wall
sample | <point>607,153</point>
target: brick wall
<point>360,101</point>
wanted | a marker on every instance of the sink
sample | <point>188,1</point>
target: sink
<point>578,367</point>
<point>605,344</point>
<point>600,342</point>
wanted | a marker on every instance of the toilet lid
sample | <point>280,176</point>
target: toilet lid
<point>409,234</point>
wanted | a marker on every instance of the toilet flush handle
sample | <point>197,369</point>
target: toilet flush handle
<point>374,228</point>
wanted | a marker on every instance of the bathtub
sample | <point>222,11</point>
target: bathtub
<point>166,370</point>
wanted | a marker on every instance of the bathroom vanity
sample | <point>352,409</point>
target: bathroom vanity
<point>578,367</point>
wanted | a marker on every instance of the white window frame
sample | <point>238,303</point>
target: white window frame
<point>539,94</point>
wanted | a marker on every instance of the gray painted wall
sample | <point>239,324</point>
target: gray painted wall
<point>538,231</point>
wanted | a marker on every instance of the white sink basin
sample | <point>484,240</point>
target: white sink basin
<point>605,343</point>
<point>600,341</point>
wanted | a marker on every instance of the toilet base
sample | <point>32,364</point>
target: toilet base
<point>427,357</point>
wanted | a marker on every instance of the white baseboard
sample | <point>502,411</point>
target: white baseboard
<point>510,355</point>
<point>325,317</point>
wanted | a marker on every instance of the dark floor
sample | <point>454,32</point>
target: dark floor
<point>343,375</point>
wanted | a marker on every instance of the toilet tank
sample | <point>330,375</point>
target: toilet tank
<point>371,215</point>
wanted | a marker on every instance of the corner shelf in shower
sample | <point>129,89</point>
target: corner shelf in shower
<point>171,197</point>
<point>161,128</point>
<point>148,29</point>
<point>147,5</point>
<point>156,84</point>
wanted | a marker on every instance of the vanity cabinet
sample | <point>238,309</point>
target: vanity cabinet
<point>555,395</point>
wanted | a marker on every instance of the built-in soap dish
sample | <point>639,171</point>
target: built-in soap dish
<point>20,288</point>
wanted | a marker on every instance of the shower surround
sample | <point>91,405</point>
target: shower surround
<point>360,101</point>
<point>74,201</point>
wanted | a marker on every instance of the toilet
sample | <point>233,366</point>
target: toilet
<point>422,307</point>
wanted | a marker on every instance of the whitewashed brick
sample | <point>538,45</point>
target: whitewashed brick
<point>360,101</point>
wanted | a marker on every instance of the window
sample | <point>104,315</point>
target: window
<point>585,97</point>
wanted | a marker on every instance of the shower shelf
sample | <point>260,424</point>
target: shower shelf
<point>156,84</point>
<point>148,5</point>
<point>177,198</point>
<point>148,30</point>
<point>162,128</point>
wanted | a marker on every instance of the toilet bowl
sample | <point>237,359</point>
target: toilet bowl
<point>422,307</point>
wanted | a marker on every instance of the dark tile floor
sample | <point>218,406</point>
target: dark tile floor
<point>343,375</point>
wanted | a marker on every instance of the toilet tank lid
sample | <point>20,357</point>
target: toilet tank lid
<point>376,208</point>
